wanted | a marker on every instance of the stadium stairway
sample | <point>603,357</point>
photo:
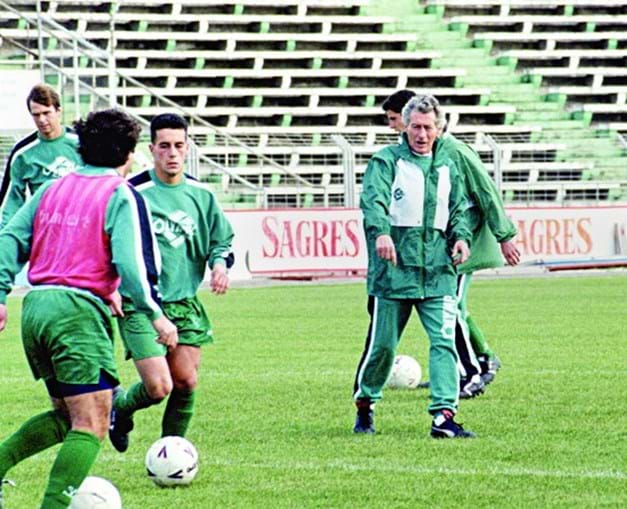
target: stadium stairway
<point>592,147</point>
<point>242,66</point>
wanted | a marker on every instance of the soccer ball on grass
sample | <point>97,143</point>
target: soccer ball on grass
<point>172,461</point>
<point>96,493</point>
<point>406,373</point>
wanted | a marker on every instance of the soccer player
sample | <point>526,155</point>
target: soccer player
<point>413,206</point>
<point>48,153</point>
<point>83,234</point>
<point>393,108</point>
<point>489,224</point>
<point>492,240</point>
<point>192,232</point>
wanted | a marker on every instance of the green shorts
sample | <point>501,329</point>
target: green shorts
<point>139,337</point>
<point>68,336</point>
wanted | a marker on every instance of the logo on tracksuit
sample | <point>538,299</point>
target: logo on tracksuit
<point>177,227</point>
<point>59,167</point>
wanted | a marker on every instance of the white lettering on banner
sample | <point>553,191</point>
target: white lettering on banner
<point>566,236</point>
<point>332,240</point>
<point>309,238</point>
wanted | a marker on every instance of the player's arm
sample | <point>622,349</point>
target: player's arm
<point>484,194</point>
<point>16,239</point>
<point>458,231</point>
<point>374,204</point>
<point>136,257</point>
<point>220,256</point>
<point>134,251</point>
<point>13,190</point>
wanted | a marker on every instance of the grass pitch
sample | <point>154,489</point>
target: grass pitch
<point>274,410</point>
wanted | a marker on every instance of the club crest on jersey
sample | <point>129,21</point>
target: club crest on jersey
<point>398,194</point>
<point>59,167</point>
<point>176,228</point>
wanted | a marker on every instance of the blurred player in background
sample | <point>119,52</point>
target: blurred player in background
<point>413,207</point>
<point>490,225</point>
<point>83,234</point>
<point>192,233</point>
<point>48,153</point>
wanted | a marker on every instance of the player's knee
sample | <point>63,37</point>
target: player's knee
<point>159,389</point>
<point>186,383</point>
<point>95,426</point>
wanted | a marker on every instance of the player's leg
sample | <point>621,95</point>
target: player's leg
<point>68,339</point>
<point>35,435</point>
<point>48,428</point>
<point>489,363</point>
<point>389,318</point>
<point>89,416</point>
<point>471,384</point>
<point>184,362</point>
<point>438,317</point>
<point>155,382</point>
<point>195,330</point>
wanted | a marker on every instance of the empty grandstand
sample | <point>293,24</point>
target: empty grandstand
<point>284,96</point>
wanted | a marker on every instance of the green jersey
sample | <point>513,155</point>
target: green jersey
<point>33,161</point>
<point>191,229</point>
<point>485,213</point>
<point>130,240</point>
<point>419,202</point>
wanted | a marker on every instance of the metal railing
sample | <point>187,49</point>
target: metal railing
<point>82,59</point>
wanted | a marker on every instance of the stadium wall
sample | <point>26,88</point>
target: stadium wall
<point>325,242</point>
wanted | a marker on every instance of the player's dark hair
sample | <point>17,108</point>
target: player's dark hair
<point>107,137</point>
<point>45,95</point>
<point>166,121</point>
<point>397,100</point>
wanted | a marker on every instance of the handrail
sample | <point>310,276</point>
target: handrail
<point>98,58</point>
<point>205,159</point>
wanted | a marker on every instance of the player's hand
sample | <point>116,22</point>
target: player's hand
<point>219,279</point>
<point>384,246</point>
<point>114,302</point>
<point>168,335</point>
<point>461,252</point>
<point>510,252</point>
<point>3,316</point>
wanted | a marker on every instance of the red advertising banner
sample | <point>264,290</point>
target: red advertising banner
<point>315,241</point>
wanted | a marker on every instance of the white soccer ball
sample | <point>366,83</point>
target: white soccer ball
<point>406,373</point>
<point>96,493</point>
<point>172,461</point>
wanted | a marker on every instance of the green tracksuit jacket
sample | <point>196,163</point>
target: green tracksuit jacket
<point>486,215</point>
<point>33,161</point>
<point>420,203</point>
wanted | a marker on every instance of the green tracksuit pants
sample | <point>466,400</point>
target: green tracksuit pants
<point>389,317</point>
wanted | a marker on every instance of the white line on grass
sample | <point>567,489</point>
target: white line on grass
<point>351,467</point>
<point>394,469</point>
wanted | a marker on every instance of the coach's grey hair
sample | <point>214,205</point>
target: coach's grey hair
<point>424,104</point>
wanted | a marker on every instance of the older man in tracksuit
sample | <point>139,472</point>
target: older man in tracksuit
<point>413,205</point>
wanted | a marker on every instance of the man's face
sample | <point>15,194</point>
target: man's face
<point>47,119</point>
<point>395,121</point>
<point>422,132</point>
<point>168,152</point>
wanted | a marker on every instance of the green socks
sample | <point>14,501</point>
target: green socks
<point>75,458</point>
<point>35,435</point>
<point>178,413</point>
<point>135,398</point>
<point>478,340</point>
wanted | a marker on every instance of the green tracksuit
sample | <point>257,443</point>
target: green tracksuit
<point>191,230</point>
<point>33,161</point>
<point>419,202</point>
<point>489,224</point>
